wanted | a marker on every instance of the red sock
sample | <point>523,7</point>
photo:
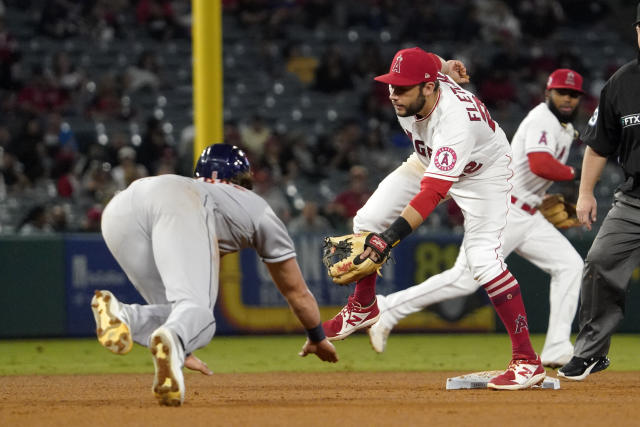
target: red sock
<point>504,293</point>
<point>365,291</point>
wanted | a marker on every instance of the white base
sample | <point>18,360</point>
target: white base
<point>480,380</point>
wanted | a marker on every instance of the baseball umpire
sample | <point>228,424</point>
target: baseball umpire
<point>614,129</point>
<point>168,233</point>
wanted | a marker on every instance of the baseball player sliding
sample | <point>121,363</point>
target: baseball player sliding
<point>168,233</point>
<point>540,149</point>
<point>460,151</point>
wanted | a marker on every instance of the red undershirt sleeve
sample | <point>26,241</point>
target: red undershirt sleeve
<point>432,190</point>
<point>548,167</point>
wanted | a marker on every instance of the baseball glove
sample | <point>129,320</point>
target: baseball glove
<point>341,256</point>
<point>559,212</point>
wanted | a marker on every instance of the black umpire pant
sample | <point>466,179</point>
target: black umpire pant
<point>614,254</point>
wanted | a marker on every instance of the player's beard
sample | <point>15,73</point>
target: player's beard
<point>564,118</point>
<point>415,107</point>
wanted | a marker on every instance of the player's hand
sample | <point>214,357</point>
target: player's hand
<point>195,364</point>
<point>586,210</point>
<point>369,253</point>
<point>457,71</point>
<point>323,349</point>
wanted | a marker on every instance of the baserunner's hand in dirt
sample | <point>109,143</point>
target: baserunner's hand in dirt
<point>195,364</point>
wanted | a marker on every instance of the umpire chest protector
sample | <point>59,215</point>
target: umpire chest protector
<point>614,127</point>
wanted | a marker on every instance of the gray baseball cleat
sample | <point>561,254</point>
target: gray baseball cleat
<point>111,328</point>
<point>168,359</point>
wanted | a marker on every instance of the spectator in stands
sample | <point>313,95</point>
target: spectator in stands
<point>369,62</point>
<point>309,221</point>
<point>64,74</point>
<point>58,218</point>
<point>168,162</point>
<point>145,74</point>
<point>60,18</point>
<point>158,18</point>
<point>91,221</point>
<point>29,147</point>
<point>66,182</point>
<point>346,204</point>
<point>127,170</point>
<point>254,135</point>
<point>273,194</point>
<point>36,221</point>
<point>107,102</point>
<point>272,159</point>
<point>152,148</point>
<point>333,74</point>
<point>12,171</point>
<point>542,17</point>
<point>497,90</point>
<point>300,62</point>
<point>39,95</point>
<point>344,146</point>
<point>98,184</point>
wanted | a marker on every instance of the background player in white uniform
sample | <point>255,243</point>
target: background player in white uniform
<point>168,234</point>
<point>461,151</point>
<point>540,150</point>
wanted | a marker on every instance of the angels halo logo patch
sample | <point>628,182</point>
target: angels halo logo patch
<point>445,158</point>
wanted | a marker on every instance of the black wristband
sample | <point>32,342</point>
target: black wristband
<point>316,334</point>
<point>398,230</point>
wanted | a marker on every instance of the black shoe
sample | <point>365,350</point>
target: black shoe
<point>578,368</point>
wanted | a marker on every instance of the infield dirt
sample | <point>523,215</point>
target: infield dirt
<point>319,399</point>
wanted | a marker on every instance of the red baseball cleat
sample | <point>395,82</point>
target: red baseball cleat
<point>351,318</point>
<point>519,375</point>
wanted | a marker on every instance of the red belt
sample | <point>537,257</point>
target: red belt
<point>524,206</point>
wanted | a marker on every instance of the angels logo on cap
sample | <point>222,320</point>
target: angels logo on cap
<point>570,80</point>
<point>396,64</point>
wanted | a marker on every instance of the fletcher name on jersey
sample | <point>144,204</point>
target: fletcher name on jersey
<point>451,148</point>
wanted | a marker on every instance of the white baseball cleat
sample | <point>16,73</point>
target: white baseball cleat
<point>557,362</point>
<point>168,358</point>
<point>378,335</point>
<point>111,328</point>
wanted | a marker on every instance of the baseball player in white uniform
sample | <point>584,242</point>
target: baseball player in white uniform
<point>540,150</point>
<point>168,233</point>
<point>460,151</point>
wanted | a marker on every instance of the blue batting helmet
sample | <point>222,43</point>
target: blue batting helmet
<point>221,161</point>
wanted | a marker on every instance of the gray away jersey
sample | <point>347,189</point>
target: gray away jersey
<point>243,219</point>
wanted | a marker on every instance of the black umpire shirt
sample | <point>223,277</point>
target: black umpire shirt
<point>614,127</point>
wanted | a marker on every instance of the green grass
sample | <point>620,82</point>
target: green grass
<point>405,352</point>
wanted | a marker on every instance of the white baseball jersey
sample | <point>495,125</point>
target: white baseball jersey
<point>168,232</point>
<point>457,142</point>
<point>540,131</point>
<point>458,138</point>
<point>529,235</point>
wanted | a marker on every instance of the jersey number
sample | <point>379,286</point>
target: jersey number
<point>484,113</point>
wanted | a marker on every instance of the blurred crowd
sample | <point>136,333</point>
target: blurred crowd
<point>58,175</point>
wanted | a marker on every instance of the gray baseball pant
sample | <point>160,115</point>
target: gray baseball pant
<point>613,256</point>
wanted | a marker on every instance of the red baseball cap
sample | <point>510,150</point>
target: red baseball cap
<point>565,78</point>
<point>411,67</point>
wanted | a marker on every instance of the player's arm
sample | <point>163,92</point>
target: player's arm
<point>592,167</point>
<point>432,192</point>
<point>288,278</point>
<point>548,167</point>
